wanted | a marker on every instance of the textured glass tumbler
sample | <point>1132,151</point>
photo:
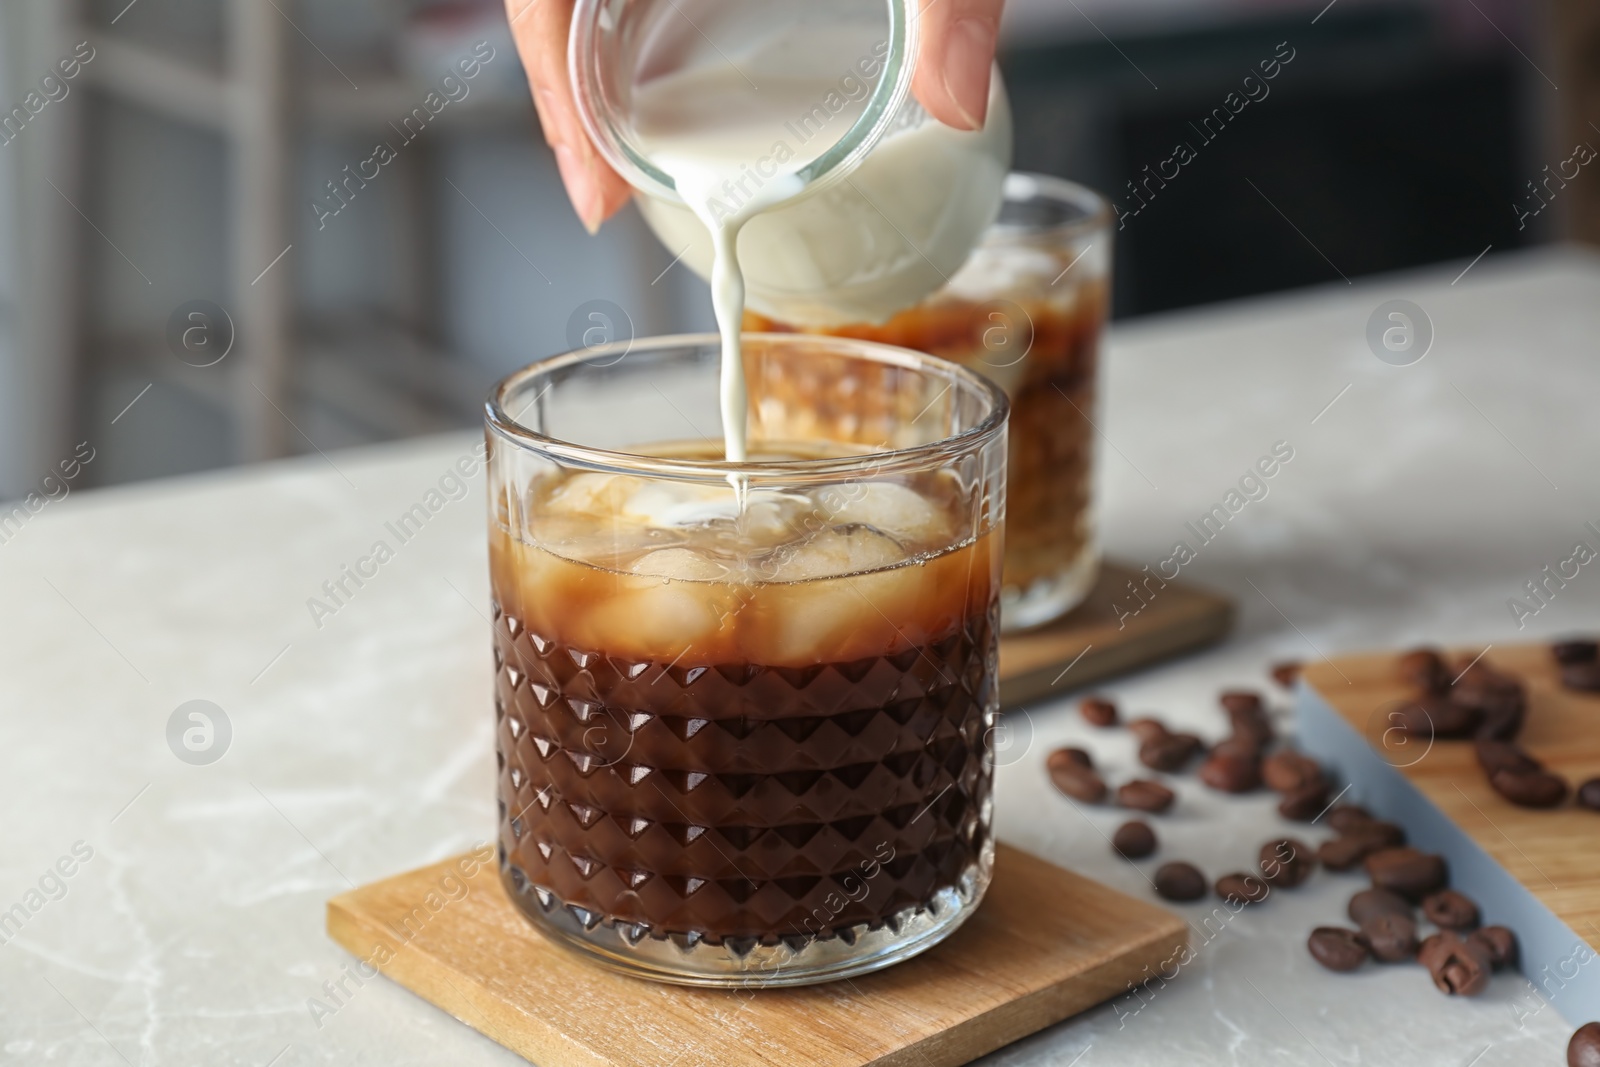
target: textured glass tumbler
<point>1028,311</point>
<point>744,711</point>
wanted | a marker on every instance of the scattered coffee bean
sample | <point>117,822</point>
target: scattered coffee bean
<point>1499,700</point>
<point>1584,1048</point>
<point>1450,909</point>
<point>1286,771</point>
<point>1589,794</point>
<point>1381,833</point>
<point>1134,839</point>
<point>1148,729</point>
<point>1345,852</point>
<point>1241,888</point>
<point>1459,967</point>
<point>1407,871</point>
<point>1371,903</point>
<point>1584,677</point>
<point>1076,779</point>
<point>1345,817</point>
<point>1285,863</point>
<point>1504,756</point>
<point>1424,670</point>
<point>1499,942</point>
<point>1169,752</point>
<point>1434,715</point>
<point>1287,672</point>
<point>1575,650</point>
<point>1180,881</point>
<point>1070,756</point>
<point>1244,746</point>
<point>1530,789</point>
<point>1241,701</point>
<point>1336,948</point>
<point>1392,938</point>
<point>1231,773</point>
<point>1305,803</point>
<point>1142,794</point>
<point>1098,711</point>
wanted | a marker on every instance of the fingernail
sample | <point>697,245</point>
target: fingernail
<point>581,187</point>
<point>967,56</point>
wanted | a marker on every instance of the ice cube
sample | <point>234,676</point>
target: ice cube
<point>659,620</point>
<point>592,493</point>
<point>680,564</point>
<point>850,548</point>
<point>834,620</point>
<point>662,503</point>
<point>901,512</point>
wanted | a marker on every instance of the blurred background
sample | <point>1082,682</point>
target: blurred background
<point>199,158</point>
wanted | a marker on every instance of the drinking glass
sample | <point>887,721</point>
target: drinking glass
<point>744,710</point>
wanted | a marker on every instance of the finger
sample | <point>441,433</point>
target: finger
<point>954,59</point>
<point>540,29</point>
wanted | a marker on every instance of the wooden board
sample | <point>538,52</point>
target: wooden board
<point>1098,641</point>
<point>1044,945</point>
<point>1553,854</point>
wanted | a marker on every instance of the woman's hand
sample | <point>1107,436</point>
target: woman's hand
<point>951,81</point>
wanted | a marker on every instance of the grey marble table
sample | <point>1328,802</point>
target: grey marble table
<point>190,928</point>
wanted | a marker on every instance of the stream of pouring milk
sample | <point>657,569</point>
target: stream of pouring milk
<point>710,134</point>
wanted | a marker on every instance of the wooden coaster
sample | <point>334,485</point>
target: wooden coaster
<point>1044,945</point>
<point>1103,636</point>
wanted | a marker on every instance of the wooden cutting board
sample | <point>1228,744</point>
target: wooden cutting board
<point>1554,854</point>
<point>1045,944</point>
<point>1111,632</point>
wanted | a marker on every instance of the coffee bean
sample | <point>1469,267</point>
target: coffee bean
<point>1241,888</point>
<point>1098,711</point>
<point>1499,700</point>
<point>1305,803</point>
<point>1256,732</point>
<point>1584,1048</point>
<point>1344,817</point>
<point>1450,909</point>
<point>1070,757</point>
<point>1180,881</point>
<point>1584,677</point>
<point>1407,871</point>
<point>1243,746</point>
<point>1286,771</point>
<point>1241,701</point>
<point>1285,863</point>
<point>1077,781</point>
<point>1142,794</point>
<point>1392,938</point>
<point>1346,851</point>
<point>1423,669</point>
<point>1504,756</point>
<point>1169,752</point>
<point>1287,672</point>
<point>1499,942</point>
<point>1589,794</point>
<point>1148,729</point>
<point>1336,948</point>
<point>1434,715</point>
<point>1134,839</point>
<point>1531,789</point>
<point>1230,773</point>
<point>1575,650</point>
<point>1371,903</point>
<point>1459,967</point>
<point>1381,833</point>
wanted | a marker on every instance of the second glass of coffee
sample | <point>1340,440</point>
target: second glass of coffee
<point>743,711</point>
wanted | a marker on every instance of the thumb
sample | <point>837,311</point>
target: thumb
<point>954,58</point>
